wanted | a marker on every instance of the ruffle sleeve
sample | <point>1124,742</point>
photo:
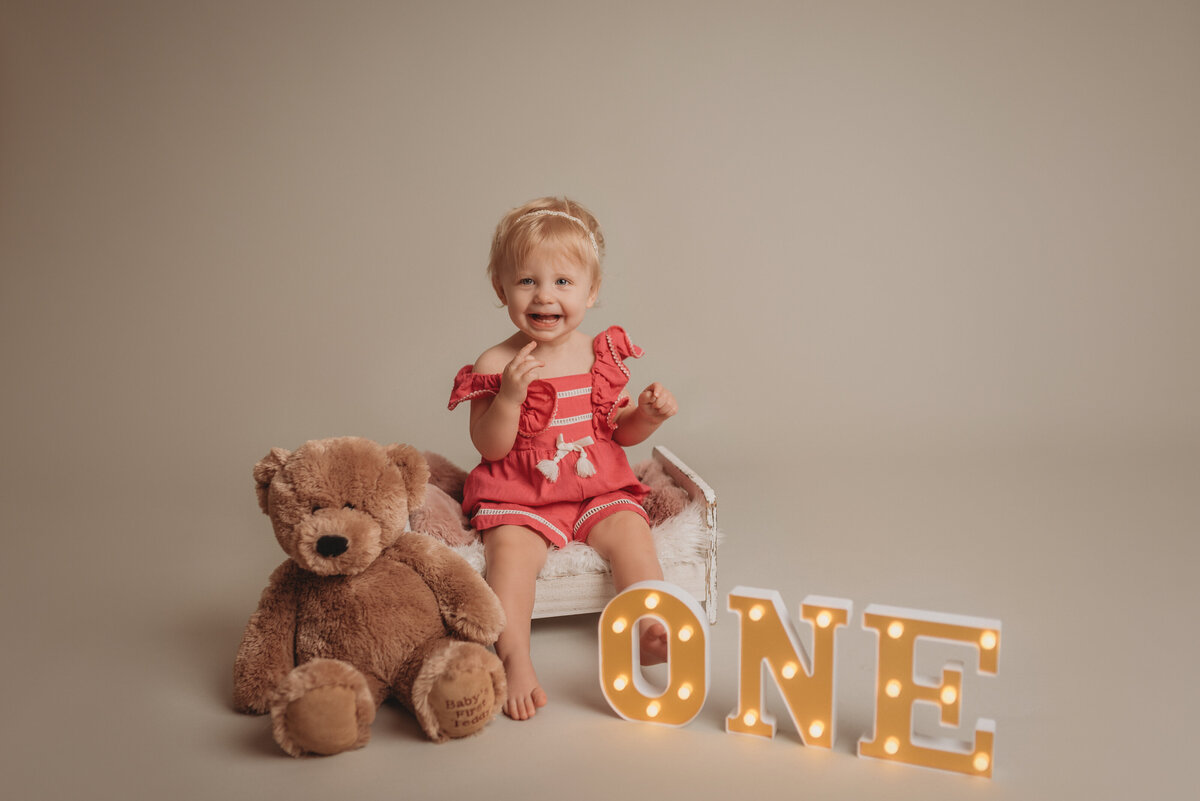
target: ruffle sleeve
<point>539,408</point>
<point>541,400</point>
<point>609,373</point>
<point>469,384</point>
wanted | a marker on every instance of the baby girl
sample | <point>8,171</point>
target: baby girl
<point>550,416</point>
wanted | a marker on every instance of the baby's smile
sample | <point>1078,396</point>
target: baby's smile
<point>545,319</point>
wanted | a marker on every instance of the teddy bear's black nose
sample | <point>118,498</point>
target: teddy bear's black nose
<point>332,545</point>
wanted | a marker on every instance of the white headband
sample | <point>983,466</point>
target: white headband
<point>565,216</point>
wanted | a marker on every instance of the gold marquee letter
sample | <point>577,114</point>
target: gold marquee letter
<point>769,639</point>
<point>897,689</point>
<point>621,680</point>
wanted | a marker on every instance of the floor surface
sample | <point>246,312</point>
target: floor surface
<point>1087,566</point>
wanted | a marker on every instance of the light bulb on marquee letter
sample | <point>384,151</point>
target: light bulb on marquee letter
<point>769,638</point>
<point>897,690</point>
<point>621,680</point>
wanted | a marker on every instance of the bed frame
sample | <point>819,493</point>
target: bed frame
<point>590,592</point>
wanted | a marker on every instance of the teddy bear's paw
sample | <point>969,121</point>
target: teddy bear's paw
<point>480,620</point>
<point>463,688</point>
<point>323,707</point>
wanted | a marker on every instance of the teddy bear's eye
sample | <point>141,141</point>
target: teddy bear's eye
<point>349,506</point>
<point>316,509</point>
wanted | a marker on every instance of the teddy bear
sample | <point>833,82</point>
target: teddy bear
<point>363,609</point>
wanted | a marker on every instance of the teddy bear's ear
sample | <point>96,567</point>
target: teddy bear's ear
<point>415,470</point>
<point>265,470</point>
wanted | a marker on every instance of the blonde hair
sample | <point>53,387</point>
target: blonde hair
<point>554,221</point>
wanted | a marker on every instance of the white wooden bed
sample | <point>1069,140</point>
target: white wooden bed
<point>696,572</point>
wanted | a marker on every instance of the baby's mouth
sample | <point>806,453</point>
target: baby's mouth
<point>545,319</point>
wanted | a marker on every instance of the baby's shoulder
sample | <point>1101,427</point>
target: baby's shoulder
<point>494,359</point>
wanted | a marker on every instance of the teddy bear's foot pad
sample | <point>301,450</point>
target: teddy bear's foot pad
<point>463,704</point>
<point>466,691</point>
<point>324,708</point>
<point>323,721</point>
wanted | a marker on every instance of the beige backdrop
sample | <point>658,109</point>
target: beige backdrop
<point>923,275</point>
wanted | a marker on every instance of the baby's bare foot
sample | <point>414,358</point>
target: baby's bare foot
<point>654,644</point>
<point>525,695</point>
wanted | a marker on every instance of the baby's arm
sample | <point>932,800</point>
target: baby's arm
<point>636,423</point>
<point>494,420</point>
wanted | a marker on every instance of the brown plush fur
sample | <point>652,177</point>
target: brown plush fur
<point>445,475</point>
<point>361,610</point>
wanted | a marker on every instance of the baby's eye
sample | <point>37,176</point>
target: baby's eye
<point>563,282</point>
<point>525,282</point>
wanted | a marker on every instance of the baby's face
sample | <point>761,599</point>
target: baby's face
<point>548,295</point>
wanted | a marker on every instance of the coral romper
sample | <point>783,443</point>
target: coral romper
<point>564,473</point>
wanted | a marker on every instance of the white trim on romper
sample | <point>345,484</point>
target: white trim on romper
<point>616,356</point>
<point>575,393</point>
<point>539,518</point>
<point>567,421</point>
<point>472,396</point>
<point>600,508</point>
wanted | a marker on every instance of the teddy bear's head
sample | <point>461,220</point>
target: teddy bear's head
<point>337,503</point>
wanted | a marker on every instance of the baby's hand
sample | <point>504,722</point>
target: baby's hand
<point>519,374</point>
<point>657,403</point>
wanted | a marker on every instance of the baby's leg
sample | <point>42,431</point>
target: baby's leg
<point>515,556</point>
<point>624,539</point>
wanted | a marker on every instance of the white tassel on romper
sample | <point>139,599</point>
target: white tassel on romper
<point>583,466</point>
